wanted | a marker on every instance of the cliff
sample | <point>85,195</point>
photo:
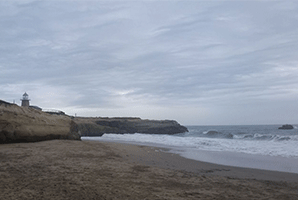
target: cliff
<point>98,126</point>
<point>22,124</point>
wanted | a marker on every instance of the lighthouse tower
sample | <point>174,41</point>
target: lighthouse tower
<point>25,100</point>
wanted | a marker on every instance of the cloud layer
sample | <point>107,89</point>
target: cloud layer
<point>197,62</point>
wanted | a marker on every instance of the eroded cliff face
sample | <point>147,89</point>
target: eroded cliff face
<point>21,124</point>
<point>99,126</point>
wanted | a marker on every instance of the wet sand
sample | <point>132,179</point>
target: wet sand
<point>62,169</point>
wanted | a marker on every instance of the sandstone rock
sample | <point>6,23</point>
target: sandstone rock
<point>99,126</point>
<point>286,127</point>
<point>23,124</point>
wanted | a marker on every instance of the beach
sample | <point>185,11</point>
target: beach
<point>64,169</point>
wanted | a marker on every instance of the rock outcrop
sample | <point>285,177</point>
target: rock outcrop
<point>99,126</point>
<point>23,124</point>
<point>286,127</point>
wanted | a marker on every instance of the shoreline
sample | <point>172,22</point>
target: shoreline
<point>229,159</point>
<point>65,169</point>
<point>238,159</point>
<point>164,157</point>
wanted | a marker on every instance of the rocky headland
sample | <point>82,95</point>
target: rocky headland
<point>25,124</point>
<point>97,126</point>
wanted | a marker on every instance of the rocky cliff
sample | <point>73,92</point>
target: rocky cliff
<point>21,124</point>
<point>98,126</point>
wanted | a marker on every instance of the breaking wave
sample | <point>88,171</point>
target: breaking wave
<point>260,140</point>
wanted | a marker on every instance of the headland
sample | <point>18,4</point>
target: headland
<point>27,124</point>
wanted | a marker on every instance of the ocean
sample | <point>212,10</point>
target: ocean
<point>254,146</point>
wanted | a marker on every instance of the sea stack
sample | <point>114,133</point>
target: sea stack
<point>286,127</point>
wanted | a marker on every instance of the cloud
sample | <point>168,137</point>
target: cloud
<point>152,58</point>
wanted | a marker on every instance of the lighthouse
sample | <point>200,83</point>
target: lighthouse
<point>25,100</point>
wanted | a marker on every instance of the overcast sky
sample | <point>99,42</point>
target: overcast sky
<point>197,62</point>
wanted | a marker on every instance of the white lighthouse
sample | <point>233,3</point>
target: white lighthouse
<point>25,100</point>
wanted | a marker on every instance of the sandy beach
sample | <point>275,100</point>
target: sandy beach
<point>63,169</point>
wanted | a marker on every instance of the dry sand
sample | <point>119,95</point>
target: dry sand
<point>63,169</point>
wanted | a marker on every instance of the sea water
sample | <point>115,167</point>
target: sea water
<point>258,146</point>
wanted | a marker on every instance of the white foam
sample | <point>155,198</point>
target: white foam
<point>287,148</point>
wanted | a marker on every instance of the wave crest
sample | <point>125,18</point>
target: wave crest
<point>216,134</point>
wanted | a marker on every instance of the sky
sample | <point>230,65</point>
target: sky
<point>197,62</point>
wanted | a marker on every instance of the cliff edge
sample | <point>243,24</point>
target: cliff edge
<point>99,126</point>
<point>22,124</point>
